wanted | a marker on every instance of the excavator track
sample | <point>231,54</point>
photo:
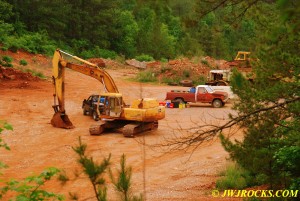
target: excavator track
<point>97,129</point>
<point>130,130</point>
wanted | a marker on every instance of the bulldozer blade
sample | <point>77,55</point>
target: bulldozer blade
<point>61,120</point>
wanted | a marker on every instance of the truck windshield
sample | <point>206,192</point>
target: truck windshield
<point>209,89</point>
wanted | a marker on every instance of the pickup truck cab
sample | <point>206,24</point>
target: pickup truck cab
<point>199,94</point>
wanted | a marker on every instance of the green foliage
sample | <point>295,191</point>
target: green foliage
<point>4,126</point>
<point>98,52</point>
<point>36,73</point>
<point>93,170</point>
<point>270,147</point>
<point>234,177</point>
<point>126,41</point>
<point>62,177</point>
<point>5,30</point>
<point>6,61</point>
<point>30,188</point>
<point>146,76</point>
<point>31,42</point>
<point>123,182</point>
<point>144,57</point>
<point>164,60</point>
<point>5,10</point>
<point>23,62</point>
<point>173,80</point>
<point>162,29</point>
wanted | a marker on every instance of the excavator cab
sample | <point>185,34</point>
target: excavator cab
<point>112,106</point>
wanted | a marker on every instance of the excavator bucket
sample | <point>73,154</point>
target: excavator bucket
<point>61,120</point>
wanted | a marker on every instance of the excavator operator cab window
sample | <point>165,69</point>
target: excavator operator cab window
<point>112,106</point>
<point>115,106</point>
<point>240,57</point>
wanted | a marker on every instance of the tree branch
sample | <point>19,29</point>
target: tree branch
<point>208,131</point>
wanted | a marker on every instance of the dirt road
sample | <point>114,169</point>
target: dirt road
<point>35,144</point>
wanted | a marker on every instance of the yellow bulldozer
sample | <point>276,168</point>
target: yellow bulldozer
<point>141,116</point>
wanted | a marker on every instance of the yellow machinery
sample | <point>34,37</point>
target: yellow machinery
<point>142,115</point>
<point>242,56</point>
<point>241,60</point>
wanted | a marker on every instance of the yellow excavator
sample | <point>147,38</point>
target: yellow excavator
<point>141,116</point>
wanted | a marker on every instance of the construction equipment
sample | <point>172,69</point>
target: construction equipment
<point>241,63</point>
<point>218,77</point>
<point>241,60</point>
<point>142,115</point>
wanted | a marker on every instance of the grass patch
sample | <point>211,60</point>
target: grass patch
<point>234,177</point>
<point>171,80</point>
<point>146,76</point>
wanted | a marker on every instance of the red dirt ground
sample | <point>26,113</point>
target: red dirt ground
<point>36,145</point>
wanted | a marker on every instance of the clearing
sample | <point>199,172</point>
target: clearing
<point>26,103</point>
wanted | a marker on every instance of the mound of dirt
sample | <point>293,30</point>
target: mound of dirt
<point>14,78</point>
<point>14,74</point>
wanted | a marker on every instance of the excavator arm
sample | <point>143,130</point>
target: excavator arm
<point>60,119</point>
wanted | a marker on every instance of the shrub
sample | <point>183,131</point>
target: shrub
<point>6,61</point>
<point>144,57</point>
<point>23,62</point>
<point>164,60</point>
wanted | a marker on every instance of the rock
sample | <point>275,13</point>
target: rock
<point>136,63</point>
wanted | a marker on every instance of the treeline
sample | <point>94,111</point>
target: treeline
<point>158,28</point>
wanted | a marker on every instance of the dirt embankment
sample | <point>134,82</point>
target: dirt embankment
<point>36,145</point>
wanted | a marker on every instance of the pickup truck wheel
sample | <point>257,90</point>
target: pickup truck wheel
<point>217,103</point>
<point>180,100</point>
<point>95,116</point>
